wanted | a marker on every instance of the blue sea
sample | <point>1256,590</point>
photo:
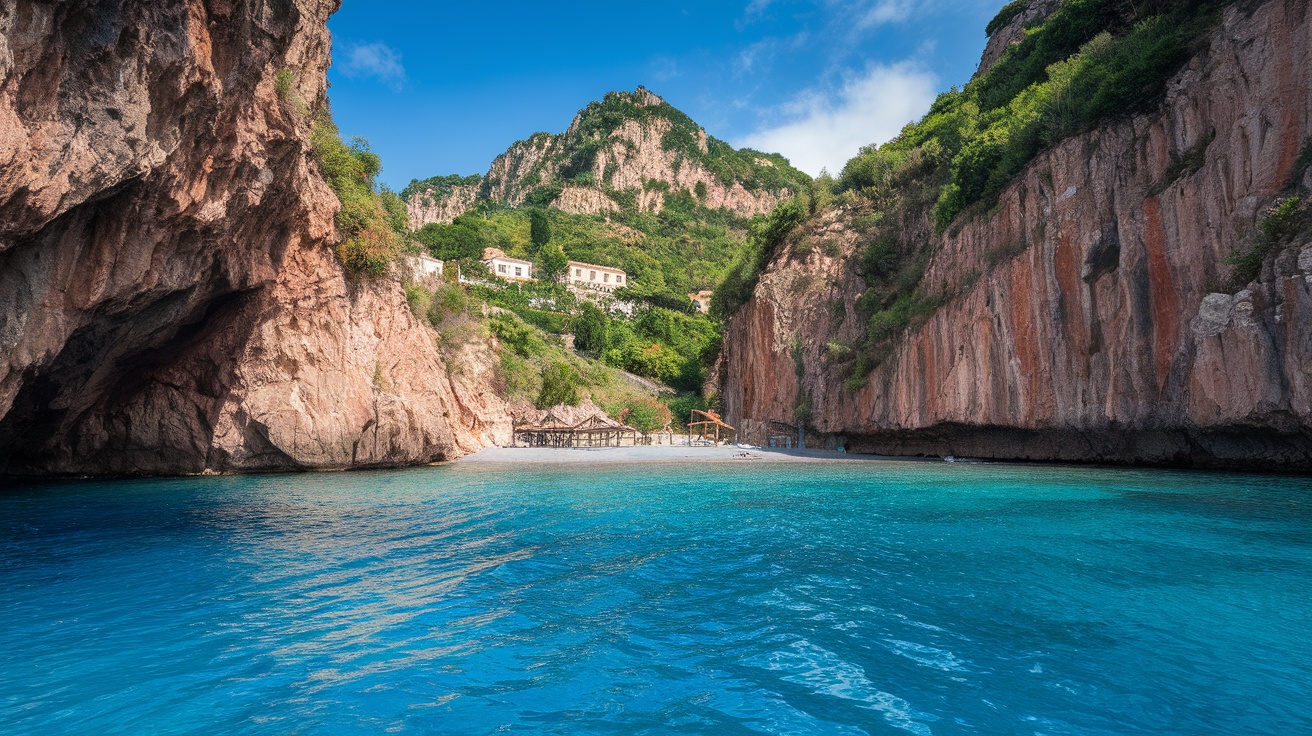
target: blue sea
<point>748,598</point>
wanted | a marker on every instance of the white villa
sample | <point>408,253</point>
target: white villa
<point>426,267</point>
<point>592,276</point>
<point>511,269</point>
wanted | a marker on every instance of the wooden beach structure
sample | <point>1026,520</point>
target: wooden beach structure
<point>785,435</point>
<point>593,431</point>
<point>708,426</point>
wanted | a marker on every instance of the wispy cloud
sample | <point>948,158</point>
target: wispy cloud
<point>664,68</point>
<point>872,13</point>
<point>758,56</point>
<point>824,128</point>
<point>755,9</point>
<point>374,60</point>
<point>855,15</point>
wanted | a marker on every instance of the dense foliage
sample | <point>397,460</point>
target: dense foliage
<point>661,344</point>
<point>767,233</point>
<point>536,366</point>
<point>1088,61</point>
<point>438,185</point>
<point>560,385</point>
<point>372,222</point>
<point>683,249</point>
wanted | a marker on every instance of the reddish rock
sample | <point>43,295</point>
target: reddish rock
<point>169,300</point>
<point>1101,340</point>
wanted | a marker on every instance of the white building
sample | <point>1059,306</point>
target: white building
<point>503,266</point>
<point>592,276</point>
<point>426,267</point>
<point>701,300</point>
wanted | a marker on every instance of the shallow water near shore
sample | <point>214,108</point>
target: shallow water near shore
<point>722,598</point>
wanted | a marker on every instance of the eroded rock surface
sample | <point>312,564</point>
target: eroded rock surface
<point>629,159</point>
<point>169,299</point>
<point>1082,317</point>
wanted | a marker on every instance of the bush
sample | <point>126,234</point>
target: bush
<point>283,84</point>
<point>1282,223</point>
<point>462,240</point>
<point>449,300</point>
<point>520,379</point>
<point>420,300</point>
<point>369,223</point>
<point>1285,220</point>
<point>590,330</point>
<point>644,413</point>
<point>560,385</point>
<point>515,335</point>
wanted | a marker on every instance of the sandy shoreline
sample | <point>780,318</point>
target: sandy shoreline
<point>652,454</point>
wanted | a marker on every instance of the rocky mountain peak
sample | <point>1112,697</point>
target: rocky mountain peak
<point>628,151</point>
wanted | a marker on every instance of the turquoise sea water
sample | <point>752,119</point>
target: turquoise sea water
<point>842,598</point>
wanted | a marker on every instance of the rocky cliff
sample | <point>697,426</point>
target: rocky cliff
<point>169,297</point>
<point>444,205</point>
<point>630,150</point>
<point>1085,316</point>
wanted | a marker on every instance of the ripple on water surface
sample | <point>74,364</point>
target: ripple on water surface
<point>853,598</point>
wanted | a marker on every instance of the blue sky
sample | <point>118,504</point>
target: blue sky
<point>443,87</point>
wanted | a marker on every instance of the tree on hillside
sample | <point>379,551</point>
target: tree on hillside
<point>560,385</point>
<point>461,240</point>
<point>539,228</point>
<point>554,262</point>
<point>590,329</point>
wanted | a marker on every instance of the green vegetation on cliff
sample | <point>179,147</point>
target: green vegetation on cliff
<point>372,221</point>
<point>1084,64</point>
<point>578,148</point>
<point>682,249</point>
<point>1087,62</point>
<point>438,185</point>
<point>675,243</point>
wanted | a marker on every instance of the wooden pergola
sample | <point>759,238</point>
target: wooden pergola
<point>710,428</point>
<point>594,431</point>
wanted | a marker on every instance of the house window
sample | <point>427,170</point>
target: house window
<point>519,271</point>
<point>605,277</point>
<point>578,272</point>
<point>501,268</point>
<point>592,275</point>
<point>619,279</point>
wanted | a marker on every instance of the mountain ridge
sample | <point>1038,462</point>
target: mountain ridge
<point>626,152</point>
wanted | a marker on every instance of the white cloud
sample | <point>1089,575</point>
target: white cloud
<point>377,60</point>
<point>824,129</point>
<point>869,14</point>
<point>758,56</point>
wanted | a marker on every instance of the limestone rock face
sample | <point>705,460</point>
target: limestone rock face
<point>632,157</point>
<point>169,299</point>
<point>1081,317</point>
<point>430,206</point>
